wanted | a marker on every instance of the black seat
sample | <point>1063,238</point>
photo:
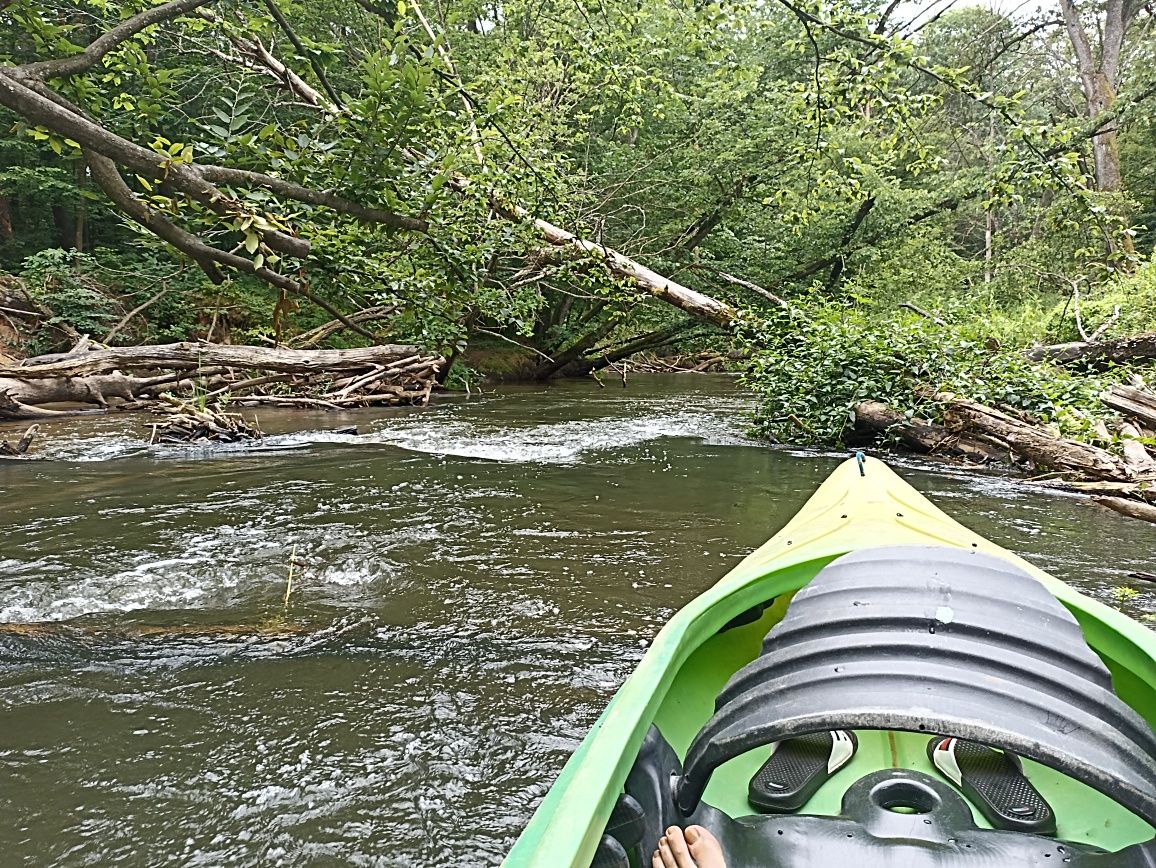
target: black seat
<point>937,640</point>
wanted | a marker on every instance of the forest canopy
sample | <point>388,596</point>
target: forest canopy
<point>860,197</point>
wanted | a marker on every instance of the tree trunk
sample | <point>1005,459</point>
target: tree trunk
<point>194,355</point>
<point>10,408</point>
<point>5,218</point>
<point>649,341</point>
<point>81,218</point>
<point>924,437</point>
<point>1099,69</point>
<point>74,390</point>
<point>1138,403</point>
<point>575,351</point>
<point>651,282</point>
<point>1035,444</point>
<point>1098,353</point>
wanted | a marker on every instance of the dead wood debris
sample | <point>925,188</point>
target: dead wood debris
<point>20,447</point>
<point>188,423</point>
<point>1122,480</point>
<point>246,375</point>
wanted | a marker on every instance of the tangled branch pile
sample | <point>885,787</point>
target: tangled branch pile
<point>248,376</point>
<point>187,423</point>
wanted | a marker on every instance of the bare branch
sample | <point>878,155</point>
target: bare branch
<point>326,198</point>
<point>283,23</point>
<point>106,42</point>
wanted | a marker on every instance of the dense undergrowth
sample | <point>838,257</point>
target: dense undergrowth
<point>811,366</point>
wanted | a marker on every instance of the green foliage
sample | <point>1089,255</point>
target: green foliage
<point>812,368</point>
<point>1132,296</point>
<point>62,280</point>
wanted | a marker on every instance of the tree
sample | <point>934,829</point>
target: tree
<point>1101,74</point>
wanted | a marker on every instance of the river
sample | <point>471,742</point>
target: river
<point>472,581</point>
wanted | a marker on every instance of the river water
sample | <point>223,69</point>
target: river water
<point>472,581</point>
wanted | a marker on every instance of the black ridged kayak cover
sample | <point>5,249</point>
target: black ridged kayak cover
<point>938,640</point>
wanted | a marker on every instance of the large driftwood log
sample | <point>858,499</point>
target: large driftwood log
<point>1034,443</point>
<point>1131,508</point>
<point>1129,349</point>
<point>196,355</point>
<point>11,408</point>
<point>74,390</point>
<point>1140,404</point>
<point>1125,490</point>
<point>920,435</point>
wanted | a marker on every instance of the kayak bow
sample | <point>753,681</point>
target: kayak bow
<point>671,697</point>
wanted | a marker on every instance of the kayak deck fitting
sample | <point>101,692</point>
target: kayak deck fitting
<point>924,630</point>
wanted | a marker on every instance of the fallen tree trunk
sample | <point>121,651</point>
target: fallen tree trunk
<point>1125,490</point>
<point>74,390</point>
<point>1129,349</point>
<point>919,435</point>
<point>1041,447</point>
<point>1136,456</point>
<point>11,408</point>
<point>651,282</point>
<point>1140,404</point>
<point>198,355</point>
<point>1131,508</point>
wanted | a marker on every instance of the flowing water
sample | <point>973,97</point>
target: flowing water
<point>471,582</point>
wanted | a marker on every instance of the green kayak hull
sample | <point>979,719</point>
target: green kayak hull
<point>689,662</point>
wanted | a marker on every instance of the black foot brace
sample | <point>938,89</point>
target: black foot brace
<point>797,768</point>
<point>995,783</point>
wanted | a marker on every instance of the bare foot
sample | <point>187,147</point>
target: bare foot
<point>696,848</point>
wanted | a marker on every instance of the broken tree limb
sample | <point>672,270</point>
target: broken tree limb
<point>313,337</point>
<point>1142,464</point>
<point>746,284</point>
<point>1129,349</point>
<point>1130,401</point>
<point>21,446</point>
<point>10,408</point>
<point>1131,508</point>
<point>914,308</point>
<point>657,285</point>
<point>1041,447</point>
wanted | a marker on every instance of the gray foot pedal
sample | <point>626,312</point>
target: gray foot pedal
<point>798,767</point>
<point>995,783</point>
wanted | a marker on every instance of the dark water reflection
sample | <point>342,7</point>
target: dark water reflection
<point>473,582</point>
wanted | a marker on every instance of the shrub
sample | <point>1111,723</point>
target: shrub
<point>811,369</point>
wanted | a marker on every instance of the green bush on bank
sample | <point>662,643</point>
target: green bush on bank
<point>811,368</point>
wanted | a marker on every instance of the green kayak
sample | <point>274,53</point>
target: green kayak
<point>874,686</point>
